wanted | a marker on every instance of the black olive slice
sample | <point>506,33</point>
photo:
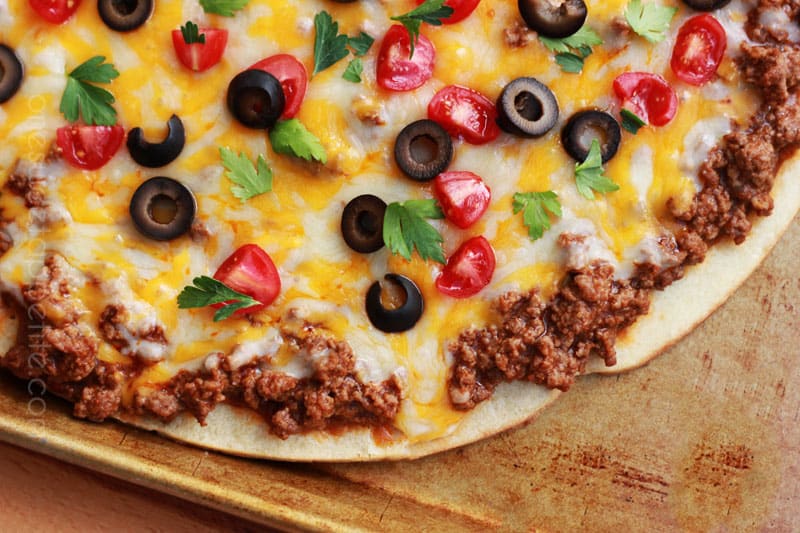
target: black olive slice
<point>398,319</point>
<point>585,126</point>
<point>124,15</point>
<point>553,18</point>
<point>706,5</point>
<point>163,208</point>
<point>10,73</point>
<point>527,107</point>
<point>423,150</point>
<point>154,155</point>
<point>362,223</point>
<point>256,99</point>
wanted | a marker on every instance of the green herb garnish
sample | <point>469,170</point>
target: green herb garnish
<point>209,291</point>
<point>250,180</point>
<point>226,8</point>
<point>292,138</point>
<point>535,207</point>
<point>81,98</point>
<point>405,228</point>
<point>649,20</point>
<point>589,174</point>
<point>430,11</point>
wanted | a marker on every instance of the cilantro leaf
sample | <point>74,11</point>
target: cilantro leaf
<point>649,20</point>
<point>631,122</point>
<point>208,291</point>
<point>292,138</point>
<point>571,51</point>
<point>80,98</point>
<point>361,43</point>
<point>430,11</point>
<point>329,45</point>
<point>584,37</point>
<point>405,228</point>
<point>248,180</point>
<point>569,62</point>
<point>226,8</point>
<point>589,174</point>
<point>534,207</point>
<point>353,71</point>
<point>191,33</point>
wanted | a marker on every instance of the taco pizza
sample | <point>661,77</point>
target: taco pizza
<point>372,229</point>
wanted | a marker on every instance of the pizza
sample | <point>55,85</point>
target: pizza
<point>377,229</point>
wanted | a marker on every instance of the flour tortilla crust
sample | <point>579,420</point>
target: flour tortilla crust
<point>674,313</point>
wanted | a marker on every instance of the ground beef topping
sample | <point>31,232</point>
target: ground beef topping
<point>332,396</point>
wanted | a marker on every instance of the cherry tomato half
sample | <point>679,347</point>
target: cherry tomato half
<point>468,270</point>
<point>465,113</point>
<point>461,9</point>
<point>463,196</point>
<point>698,50</point>
<point>293,77</point>
<point>89,147</point>
<point>397,71</point>
<point>55,11</point>
<point>250,270</point>
<point>647,95</point>
<point>201,56</point>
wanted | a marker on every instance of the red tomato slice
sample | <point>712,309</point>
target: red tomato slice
<point>201,56</point>
<point>250,270</point>
<point>468,270</point>
<point>461,9</point>
<point>55,11</point>
<point>397,71</point>
<point>649,96</point>
<point>465,113</point>
<point>698,50</point>
<point>463,196</point>
<point>89,147</point>
<point>293,77</point>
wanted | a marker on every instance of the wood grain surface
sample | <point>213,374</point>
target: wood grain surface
<point>705,438</point>
<point>41,494</point>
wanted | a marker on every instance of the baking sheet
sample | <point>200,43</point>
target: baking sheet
<point>707,437</point>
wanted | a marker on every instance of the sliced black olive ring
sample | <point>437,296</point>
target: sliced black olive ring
<point>396,319</point>
<point>527,107</point>
<point>706,5</point>
<point>362,223</point>
<point>124,15</point>
<point>10,73</point>
<point>163,208</point>
<point>423,150</point>
<point>154,155</point>
<point>256,99</point>
<point>585,126</point>
<point>553,18</point>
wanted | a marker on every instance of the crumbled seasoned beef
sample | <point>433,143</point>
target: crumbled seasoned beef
<point>332,395</point>
<point>548,344</point>
<point>773,33</point>
<point>24,184</point>
<point>518,35</point>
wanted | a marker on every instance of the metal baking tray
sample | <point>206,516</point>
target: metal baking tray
<point>706,437</point>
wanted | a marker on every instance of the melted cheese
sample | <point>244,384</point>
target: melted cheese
<point>323,281</point>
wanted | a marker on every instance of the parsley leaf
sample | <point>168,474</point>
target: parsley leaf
<point>208,291</point>
<point>226,8</point>
<point>650,20</point>
<point>534,207</point>
<point>572,50</point>
<point>405,228</point>
<point>589,174</point>
<point>248,180</point>
<point>191,33</point>
<point>353,71</point>
<point>430,11</point>
<point>292,138</point>
<point>569,62</point>
<point>90,101</point>
<point>631,122</point>
<point>360,44</point>
<point>329,45</point>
